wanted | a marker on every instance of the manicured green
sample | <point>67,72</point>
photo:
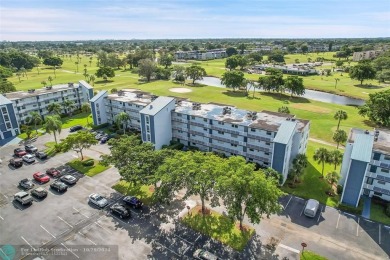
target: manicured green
<point>312,186</point>
<point>143,192</point>
<point>378,214</point>
<point>79,119</point>
<point>309,255</point>
<point>87,170</point>
<point>219,227</point>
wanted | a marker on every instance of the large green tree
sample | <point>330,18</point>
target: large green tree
<point>6,86</point>
<point>69,106</point>
<point>233,79</point>
<point>122,119</point>
<point>78,142</point>
<point>54,108</point>
<point>53,124</point>
<point>246,192</point>
<point>165,60</point>
<point>340,136</point>
<point>340,115</point>
<point>377,107</point>
<point>109,72</point>
<point>336,158</point>
<point>232,62</point>
<point>146,68</point>
<point>362,71</point>
<point>295,85</point>
<point>53,61</point>
<point>195,72</point>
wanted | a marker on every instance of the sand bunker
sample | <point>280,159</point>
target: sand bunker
<point>180,90</point>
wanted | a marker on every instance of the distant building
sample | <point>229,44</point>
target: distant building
<point>366,55</point>
<point>288,69</point>
<point>16,106</point>
<point>366,166</point>
<point>267,138</point>
<point>201,55</point>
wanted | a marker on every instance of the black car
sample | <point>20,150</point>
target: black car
<point>120,210</point>
<point>59,186</point>
<point>16,162</point>
<point>133,202</point>
<point>41,155</point>
<point>26,184</point>
<point>30,148</point>
<point>75,128</point>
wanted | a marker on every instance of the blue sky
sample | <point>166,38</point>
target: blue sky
<point>152,19</point>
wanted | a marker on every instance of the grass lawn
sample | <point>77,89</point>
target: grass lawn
<point>82,119</point>
<point>219,227</point>
<point>87,170</point>
<point>50,151</point>
<point>378,214</point>
<point>143,192</point>
<point>309,255</point>
<point>311,186</point>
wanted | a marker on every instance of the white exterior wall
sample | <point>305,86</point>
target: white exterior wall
<point>346,163</point>
<point>163,125</point>
<point>101,110</point>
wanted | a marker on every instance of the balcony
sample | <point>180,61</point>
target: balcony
<point>258,147</point>
<point>178,119</point>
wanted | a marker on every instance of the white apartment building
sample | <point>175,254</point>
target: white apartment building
<point>201,55</point>
<point>267,138</point>
<point>366,166</point>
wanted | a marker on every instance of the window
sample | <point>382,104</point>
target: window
<point>266,153</point>
<point>233,135</point>
<point>377,194</point>
<point>192,117</point>
<point>387,157</point>
<point>382,182</point>
<point>205,120</point>
<point>377,156</point>
<point>205,129</point>
<point>385,170</point>
<point>250,149</point>
<point>4,110</point>
<point>234,145</point>
<point>267,143</point>
<point>220,123</point>
<point>253,130</point>
<point>221,133</point>
<point>369,181</point>
<point>147,119</point>
<point>8,125</point>
<point>147,128</point>
<point>265,163</point>
<point>148,137</point>
<point>193,135</point>
<point>6,118</point>
<point>180,131</point>
<point>178,115</point>
<point>235,126</point>
<point>373,168</point>
<point>269,133</point>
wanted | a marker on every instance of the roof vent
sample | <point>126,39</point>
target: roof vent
<point>254,115</point>
<point>31,90</point>
<point>139,95</point>
<point>227,110</point>
<point>49,87</point>
<point>151,106</point>
<point>249,115</point>
<point>153,97</point>
<point>375,138</point>
<point>178,102</point>
<point>120,93</point>
<point>376,132</point>
<point>293,119</point>
<point>366,132</point>
<point>70,84</point>
<point>288,119</point>
<point>196,106</point>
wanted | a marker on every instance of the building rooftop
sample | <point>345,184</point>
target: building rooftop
<point>4,100</point>
<point>157,105</point>
<point>132,95</point>
<point>40,91</point>
<point>98,95</point>
<point>381,138</point>
<point>286,130</point>
<point>362,148</point>
<point>265,119</point>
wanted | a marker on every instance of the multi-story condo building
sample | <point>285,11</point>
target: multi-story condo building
<point>16,106</point>
<point>267,138</point>
<point>366,166</point>
<point>366,55</point>
<point>201,55</point>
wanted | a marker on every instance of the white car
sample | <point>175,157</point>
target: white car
<point>28,158</point>
<point>68,179</point>
<point>98,200</point>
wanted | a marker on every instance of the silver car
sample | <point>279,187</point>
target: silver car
<point>28,158</point>
<point>204,255</point>
<point>98,200</point>
<point>68,179</point>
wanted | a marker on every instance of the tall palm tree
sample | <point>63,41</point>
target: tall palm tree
<point>69,106</point>
<point>321,156</point>
<point>122,118</point>
<point>36,119</point>
<point>53,124</point>
<point>50,79</point>
<point>332,177</point>
<point>340,115</point>
<point>54,108</point>
<point>92,79</point>
<point>77,66</point>
<point>86,107</point>
<point>337,80</point>
<point>336,158</point>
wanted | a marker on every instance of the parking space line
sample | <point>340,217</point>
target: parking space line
<point>185,251</point>
<point>80,212</point>
<point>103,228</point>
<point>1,217</point>
<point>51,192</point>
<point>303,209</point>
<point>65,222</point>
<point>288,202</point>
<point>5,196</point>
<point>290,248</point>
<point>48,231</point>
<point>28,243</point>
<point>338,219</point>
<point>183,239</point>
<point>299,198</point>
<point>167,248</point>
<point>379,233</point>
<point>197,238</point>
<point>357,228</point>
<point>70,250</point>
<point>318,220</point>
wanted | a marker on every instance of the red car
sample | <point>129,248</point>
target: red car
<point>53,172</point>
<point>19,152</point>
<point>41,177</point>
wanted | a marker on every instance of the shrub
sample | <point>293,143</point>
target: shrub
<point>95,127</point>
<point>349,209</point>
<point>89,162</point>
<point>339,189</point>
<point>387,210</point>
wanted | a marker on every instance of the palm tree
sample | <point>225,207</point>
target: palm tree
<point>122,118</point>
<point>299,164</point>
<point>77,66</point>
<point>332,177</point>
<point>340,115</point>
<point>53,124</point>
<point>340,136</point>
<point>50,79</point>
<point>36,119</point>
<point>92,79</point>
<point>337,80</point>
<point>55,68</point>
<point>26,129</point>
<point>90,61</point>
<point>321,156</point>
<point>69,106</point>
<point>86,107</point>
<point>336,158</point>
<point>18,74</point>
<point>54,108</point>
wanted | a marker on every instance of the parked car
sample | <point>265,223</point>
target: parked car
<point>68,179</point>
<point>16,162</point>
<point>133,202</point>
<point>28,158</point>
<point>104,140</point>
<point>41,177</point>
<point>39,193</point>
<point>30,148</point>
<point>75,128</point>
<point>26,184</point>
<point>53,172</point>
<point>311,208</point>
<point>59,186</point>
<point>98,200</point>
<point>23,198</point>
<point>120,210</point>
<point>98,136</point>
<point>204,255</point>
<point>19,152</point>
<point>41,155</point>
